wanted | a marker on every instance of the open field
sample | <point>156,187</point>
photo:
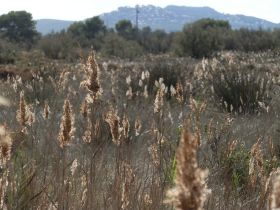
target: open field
<point>104,134</point>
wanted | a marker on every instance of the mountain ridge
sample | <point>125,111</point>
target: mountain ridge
<point>170,18</point>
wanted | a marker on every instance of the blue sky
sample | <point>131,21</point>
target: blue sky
<point>81,9</point>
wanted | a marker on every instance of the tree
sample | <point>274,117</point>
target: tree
<point>125,29</point>
<point>115,45</point>
<point>93,27</point>
<point>203,37</point>
<point>18,27</point>
<point>77,29</point>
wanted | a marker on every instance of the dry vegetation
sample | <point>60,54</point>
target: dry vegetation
<point>156,133</point>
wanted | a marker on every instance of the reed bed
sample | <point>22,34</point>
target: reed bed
<point>156,133</point>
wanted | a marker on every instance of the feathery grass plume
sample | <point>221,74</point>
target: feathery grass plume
<point>179,92</point>
<point>271,147</point>
<point>197,108</point>
<point>88,134</point>
<point>5,145</point>
<point>85,109</point>
<point>129,178</point>
<point>129,93</point>
<point>140,83</point>
<point>190,191</point>
<point>158,104</point>
<point>67,125</point>
<point>143,76</point>
<point>31,115</point>
<point>4,101</point>
<point>145,93</point>
<point>231,147</point>
<point>63,79</point>
<point>46,110</point>
<point>147,200</point>
<point>93,72</point>
<point>126,127</point>
<point>137,126</point>
<point>266,194</point>
<point>128,80</point>
<point>275,195</point>
<point>255,163</point>
<point>22,112</point>
<point>113,120</point>
<point>153,150</point>
<point>74,166</point>
<point>5,154</point>
<point>172,90</point>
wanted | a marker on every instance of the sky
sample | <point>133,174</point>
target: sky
<point>82,9</point>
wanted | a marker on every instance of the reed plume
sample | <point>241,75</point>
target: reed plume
<point>179,92</point>
<point>114,122</point>
<point>4,101</point>
<point>93,73</point>
<point>256,163</point>
<point>22,112</point>
<point>158,104</point>
<point>67,125</point>
<point>5,145</point>
<point>137,126</point>
<point>275,194</point>
<point>190,190</point>
<point>46,111</point>
<point>85,109</point>
<point>87,137</point>
<point>126,127</point>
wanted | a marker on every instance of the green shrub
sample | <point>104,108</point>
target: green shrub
<point>236,166</point>
<point>170,70</point>
<point>116,46</point>
<point>58,46</point>
<point>240,88</point>
<point>8,53</point>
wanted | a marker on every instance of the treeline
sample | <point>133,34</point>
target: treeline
<point>199,39</point>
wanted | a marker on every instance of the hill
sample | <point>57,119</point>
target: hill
<point>173,18</point>
<point>45,26</point>
<point>170,18</point>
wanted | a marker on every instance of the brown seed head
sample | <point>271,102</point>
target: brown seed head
<point>85,109</point>
<point>255,163</point>
<point>275,196</point>
<point>126,126</point>
<point>66,125</point>
<point>46,111</point>
<point>22,113</point>
<point>128,180</point>
<point>158,104</point>
<point>93,72</point>
<point>190,191</point>
<point>114,122</point>
<point>179,92</point>
<point>137,126</point>
<point>88,134</point>
<point>5,145</point>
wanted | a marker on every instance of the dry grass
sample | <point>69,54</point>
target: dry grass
<point>128,126</point>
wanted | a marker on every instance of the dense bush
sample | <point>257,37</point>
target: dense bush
<point>115,45</point>
<point>202,38</point>
<point>168,69</point>
<point>240,88</point>
<point>8,52</point>
<point>58,46</point>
